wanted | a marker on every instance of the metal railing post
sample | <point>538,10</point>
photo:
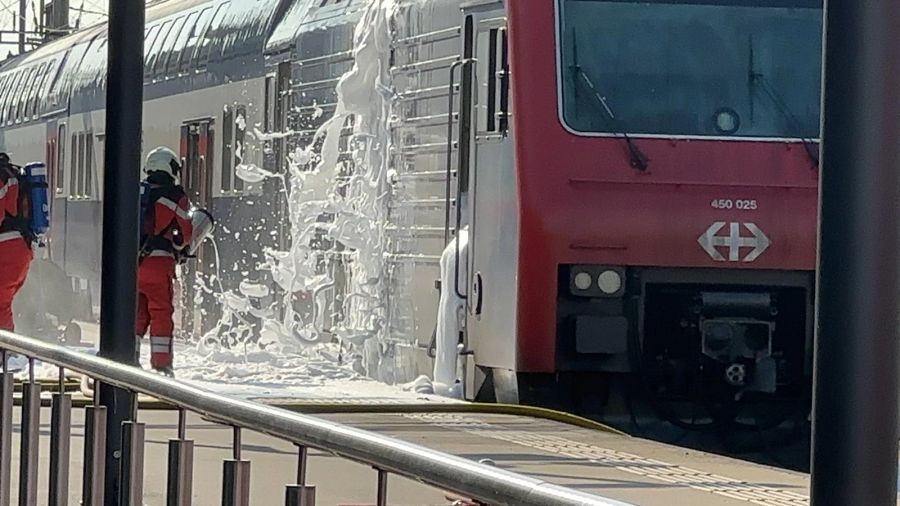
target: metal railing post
<point>60,435</point>
<point>301,494</point>
<point>382,488</point>
<point>236,476</point>
<point>93,487</point>
<point>29,449</point>
<point>179,485</point>
<point>131,464</point>
<point>7,385</point>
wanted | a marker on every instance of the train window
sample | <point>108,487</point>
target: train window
<point>150,60</point>
<point>498,82</point>
<point>466,98</point>
<point>684,62</point>
<point>10,98</point>
<point>167,48</point>
<point>269,104</point>
<point>17,93</point>
<point>4,86</point>
<point>36,91</point>
<point>190,48</point>
<point>43,88</point>
<point>149,40</point>
<point>98,164</point>
<point>23,94</point>
<point>53,91</point>
<point>240,150</point>
<point>88,141</point>
<point>60,159</point>
<point>488,56</point>
<point>30,92</point>
<point>227,140</point>
<point>73,167</point>
<point>178,51</point>
<point>206,44</point>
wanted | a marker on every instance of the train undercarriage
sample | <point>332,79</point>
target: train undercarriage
<point>716,352</point>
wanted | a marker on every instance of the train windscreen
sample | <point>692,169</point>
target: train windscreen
<point>692,68</point>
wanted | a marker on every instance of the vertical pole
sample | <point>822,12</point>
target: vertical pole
<point>382,488</point>
<point>236,475</point>
<point>301,494</point>
<point>124,108</point>
<point>29,451</point>
<point>236,483</point>
<point>6,420</point>
<point>131,469</point>
<point>854,441</point>
<point>92,491</point>
<point>179,486</point>
<point>60,434</point>
<point>23,15</point>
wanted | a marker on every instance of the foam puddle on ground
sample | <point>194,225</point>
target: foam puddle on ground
<point>316,374</point>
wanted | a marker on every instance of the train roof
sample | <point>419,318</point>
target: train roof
<point>189,44</point>
<point>307,15</point>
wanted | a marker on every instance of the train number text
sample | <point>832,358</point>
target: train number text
<point>739,204</point>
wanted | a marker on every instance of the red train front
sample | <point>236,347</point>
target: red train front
<point>653,203</point>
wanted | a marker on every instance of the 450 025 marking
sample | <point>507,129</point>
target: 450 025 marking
<point>739,204</point>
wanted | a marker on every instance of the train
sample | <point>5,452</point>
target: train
<point>638,181</point>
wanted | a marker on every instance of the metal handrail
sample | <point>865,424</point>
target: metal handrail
<point>448,472</point>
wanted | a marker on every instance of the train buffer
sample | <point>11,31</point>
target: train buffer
<point>209,449</point>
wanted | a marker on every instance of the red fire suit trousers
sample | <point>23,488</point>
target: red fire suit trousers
<point>15,258</point>
<point>156,275</point>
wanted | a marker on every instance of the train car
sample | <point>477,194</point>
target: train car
<point>638,181</point>
<point>203,95</point>
<point>666,175</point>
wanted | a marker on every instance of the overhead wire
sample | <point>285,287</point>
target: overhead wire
<point>95,8</point>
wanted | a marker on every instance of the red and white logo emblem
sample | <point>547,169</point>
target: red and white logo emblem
<point>734,243</point>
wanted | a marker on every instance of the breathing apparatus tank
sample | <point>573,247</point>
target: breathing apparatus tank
<point>204,225</point>
<point>34,176</point>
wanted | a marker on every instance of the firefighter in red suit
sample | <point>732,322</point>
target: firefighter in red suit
<point>166,231</point>
<point>15,247</point>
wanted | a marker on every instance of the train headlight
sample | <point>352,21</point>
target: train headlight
<point>609,282</point>
<point>583,281</point>
<point>596,281</point>
<point>727,121</point>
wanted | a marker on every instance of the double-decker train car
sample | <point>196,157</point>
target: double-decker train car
<point>638,179</point>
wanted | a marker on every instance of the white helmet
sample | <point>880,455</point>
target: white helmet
<point>163,159</point>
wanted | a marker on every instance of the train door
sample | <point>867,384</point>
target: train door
<point>488,173</point>
<point>56,167</point>
<point>197,179</point>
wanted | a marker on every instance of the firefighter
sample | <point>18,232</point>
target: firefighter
<point>166,231</point>
<point>15,247</point>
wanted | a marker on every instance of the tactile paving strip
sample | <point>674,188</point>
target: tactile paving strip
<point>655,469</point>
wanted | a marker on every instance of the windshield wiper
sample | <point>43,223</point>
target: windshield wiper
<point>636,157</point>
<point>759,79</point>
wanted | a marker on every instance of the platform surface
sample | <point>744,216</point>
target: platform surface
<point>608,464</point>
